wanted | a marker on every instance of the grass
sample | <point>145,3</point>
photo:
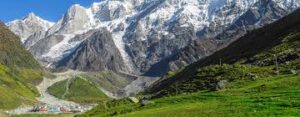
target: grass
<point>78,90</point>
<point>86,87</point>
<point>108,80</point>
<point>12,53</point>
<point>272,96</point>
<point>206,78</point>
<point>16,89</point>
<point>19,72</point>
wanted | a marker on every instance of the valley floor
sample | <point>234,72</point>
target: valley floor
<point>273,96</point>
<point>52,103</point>
<point>46,98</point>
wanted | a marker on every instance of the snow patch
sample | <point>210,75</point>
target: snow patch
<point>64,48</point>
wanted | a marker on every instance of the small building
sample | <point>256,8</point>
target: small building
<point>54,110</point>
<point>43,109</point>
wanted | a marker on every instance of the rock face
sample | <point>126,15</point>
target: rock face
<point>44,45</point>
<point>150,36</point>
<point>76,19</point>
<point>194,52</point>
<point>261,13</point>
<point>34,38</point>
<point>98,52</point>
<point>110,10</point>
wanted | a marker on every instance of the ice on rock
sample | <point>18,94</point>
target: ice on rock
<point>28,26</point>
<point>123,17</point>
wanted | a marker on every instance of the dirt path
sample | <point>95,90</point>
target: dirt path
<point>67,88</point>
<point>131,89</point>
<point>45,96</point>
<point>49,99</point>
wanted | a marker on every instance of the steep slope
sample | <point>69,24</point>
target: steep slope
<point>19,72</point>
<point>76,19</point>
<point>155,33</point>
<point>257,52</point>
<point>55,44</point>
<point>86,56</point>
<point>260,14</point>
<point>190,54</point>
<point>13,54</point>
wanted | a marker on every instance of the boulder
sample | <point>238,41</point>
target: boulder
<point>251,76</point>
<point>220,85</point>
<point>146,102</point>
<point>292,71</point>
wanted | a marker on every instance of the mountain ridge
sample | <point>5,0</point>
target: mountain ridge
<point>147,33</point>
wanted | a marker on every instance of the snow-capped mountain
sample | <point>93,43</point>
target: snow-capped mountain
<point>29,25</point>
<point>147,33</point>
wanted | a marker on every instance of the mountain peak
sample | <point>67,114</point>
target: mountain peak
<point>2,23</point>
<point>76,19</point>
<point>31,15</point>
<point>29,25</point>
<point>76,7</point>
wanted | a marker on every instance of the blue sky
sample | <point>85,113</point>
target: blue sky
<point>50,10</point>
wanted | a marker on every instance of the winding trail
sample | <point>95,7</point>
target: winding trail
<point>47,98</point>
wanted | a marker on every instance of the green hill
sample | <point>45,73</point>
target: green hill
<point>257,75</point>
<point>79,90</point>
<point>13,54</point>
<point>19,72</point>
<point>86,88</point>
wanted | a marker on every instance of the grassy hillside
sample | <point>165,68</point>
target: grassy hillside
<point>271,96</point>
<point>14,90</point>
<point>19,72</point>
<point>257,75</point>
<point>13,54</point>
<point>78,90</point>
<point>86,87</point>
<point>108,80</point>
<point>278,43</point>
<point>208,77</point>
